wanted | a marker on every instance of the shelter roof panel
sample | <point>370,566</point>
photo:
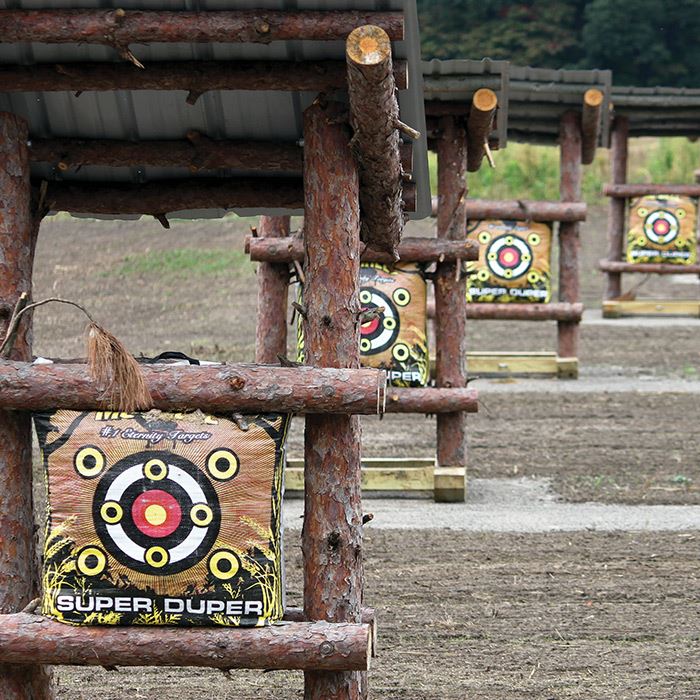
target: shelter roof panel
<point>235,114</point>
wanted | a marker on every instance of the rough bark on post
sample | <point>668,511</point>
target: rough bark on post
<point>18,560</point>
<point>273,281</point>
<point>374,116</point>
<point>332,532</point>
<point>590,124</point>
<point>617,207</point>
<point>450,290</point>
<point>481,113</point>
<point>569,243</point>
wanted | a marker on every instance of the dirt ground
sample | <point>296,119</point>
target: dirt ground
<point>583,615</point>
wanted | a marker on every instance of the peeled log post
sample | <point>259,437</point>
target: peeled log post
<point>244,388</point>
<point>374,116</point>
<point>289,645</point>
<point>286,250</point>
<point>19,574</point>
<point>273,281</point>
<point>642,190</point>
<point>197,152</point>
<point>332,531</point>
<point>522,210</point>
<point>119,28</point>
<point>590,124</point>
<point>443,402</point>
<point>619,139</point>
<point>483,109</point>
<point>193,77</point>
<point>570,173</point>
<point>450,291</point>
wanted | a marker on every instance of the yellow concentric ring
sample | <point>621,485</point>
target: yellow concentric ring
<point>85,563</point>
<point>224,564</point>
<point>89,461</point>
<point>155,469</point>
<point>222,464</point>
<point>111,512</point>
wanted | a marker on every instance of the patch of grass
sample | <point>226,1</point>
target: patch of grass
<point>183,262</point>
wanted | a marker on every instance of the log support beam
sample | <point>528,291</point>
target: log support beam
<point>19,579</point>
<point>479,124</point>
<point>374,117</point>
<point>450,291</point>
<point>286,250</point>
<point>332,530</point>
<point>569,243</point>
<point>623,191</point>
<point>438,401</point>
<point>522,210</point>
<point>27,639</point>
<point>119,28</point>
<point>590,124</point>
<point>619,266</point>
<point>273,281</point>
<point>244,388</point>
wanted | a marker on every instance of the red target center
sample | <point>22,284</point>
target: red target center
<point>156,513</point>
<point>509,257</point>
<point>661,227</point>
<point>369,327</point>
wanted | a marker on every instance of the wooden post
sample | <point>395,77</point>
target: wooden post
<point>569,244</point>
<point>450,290</point>
<point>481,114</point>
<point>332,532</point>
<point>18,560</point>
<point>273,280</point>
<point>590,124</point>
<point>616,212</point>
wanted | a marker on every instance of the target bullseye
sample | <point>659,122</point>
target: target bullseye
<point>661,227</point>
<point>509,257</point>
<point>156,513</point>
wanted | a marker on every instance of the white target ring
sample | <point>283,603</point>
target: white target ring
<point>661,227</point>
<point>509,257</point>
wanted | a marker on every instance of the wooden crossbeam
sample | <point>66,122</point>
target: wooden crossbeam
<point>286,250</point>
<point>624,191</point>
<point>119,27</point>
<point>648,268</point>
<point>328,646</point>
<point>193,77</point>
<point>439,400</point>
<point>245,388</point>
<point>523,210</point>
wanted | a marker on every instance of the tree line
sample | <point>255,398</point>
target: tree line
<point>644,42</point>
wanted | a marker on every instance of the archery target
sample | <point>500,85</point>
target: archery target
<point>395,339</point>
<point>662,228</point>
<point>378,334</point>
<point>162,518</point>
<point>509,257</point>
<point>144,508</point>
<point>513,265</point>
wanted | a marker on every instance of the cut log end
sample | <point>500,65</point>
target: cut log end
<point>485,100</point>
<point>368,45</point>
<point>593,97</point>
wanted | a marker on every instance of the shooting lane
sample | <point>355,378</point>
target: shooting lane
<point>666,215</point>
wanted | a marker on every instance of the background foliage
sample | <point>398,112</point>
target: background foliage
<point>644,42</point>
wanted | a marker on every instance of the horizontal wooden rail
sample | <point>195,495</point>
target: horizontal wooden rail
<point>245,388</point>
<point>120,27</point>
<point>193,77</point>
<point>648,268</point>
<point>326,646</point>
<point>284,250</point>
<point>641,190</point>
<point>160,197</point>
<point>522,210</point>
<point>555,311</point>
<point>431,400</point>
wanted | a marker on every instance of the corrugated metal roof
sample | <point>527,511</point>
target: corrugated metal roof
<point>658,111</point>
<point>538,97</point>
<point>458,79</point>
<point>139,115</point>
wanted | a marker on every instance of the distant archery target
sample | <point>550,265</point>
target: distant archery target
<point>378,334</point>
<point>157,513</point>
<point>509,257</point>
<point>661,226</point>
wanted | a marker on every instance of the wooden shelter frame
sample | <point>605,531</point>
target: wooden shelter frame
<point>333,637</point>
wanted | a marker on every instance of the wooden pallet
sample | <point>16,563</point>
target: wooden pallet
<point>521,364</point>
<point>651,307</point>
<point>396,477</point>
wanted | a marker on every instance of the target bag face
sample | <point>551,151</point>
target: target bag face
<point>162,519</point>
<point>395,338</point>
<point>662,229</point>
<point>513,264</point>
